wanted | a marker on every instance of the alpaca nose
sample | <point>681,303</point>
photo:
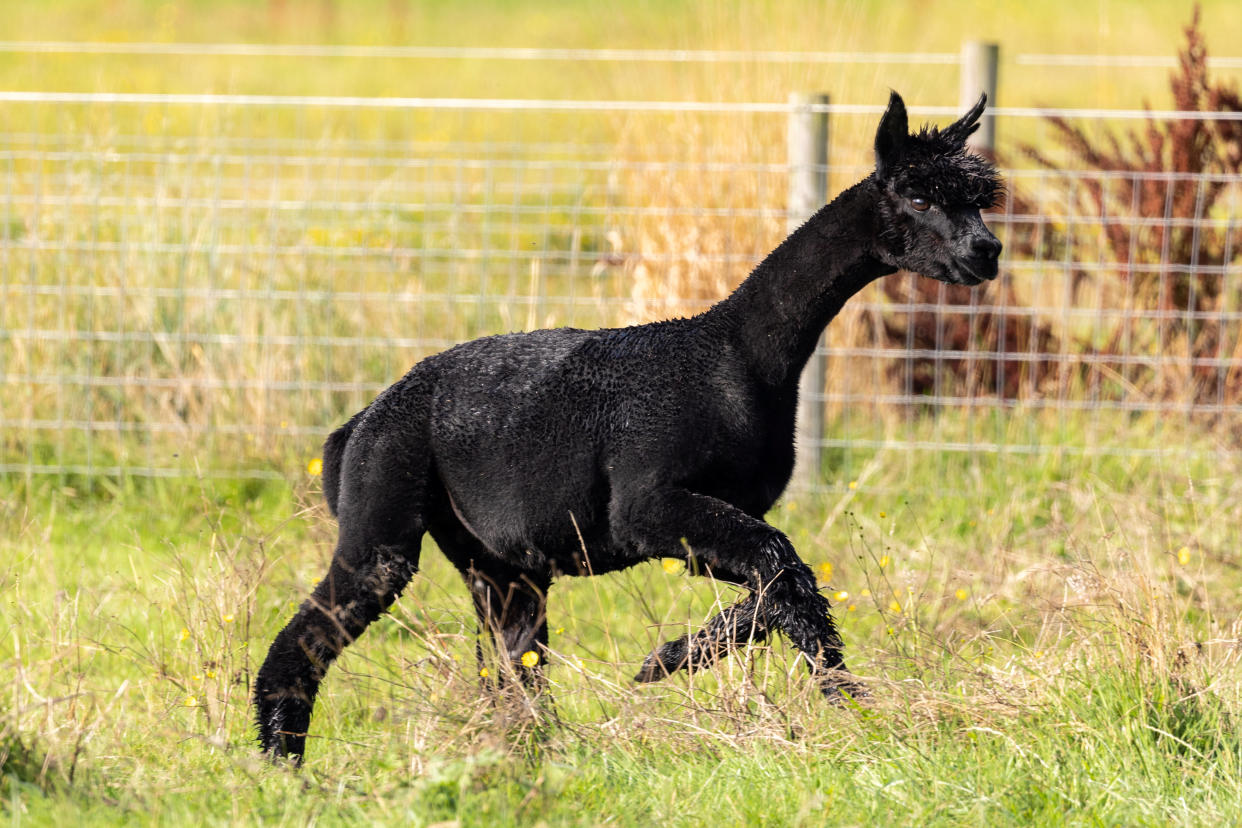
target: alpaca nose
<point>986,248</point>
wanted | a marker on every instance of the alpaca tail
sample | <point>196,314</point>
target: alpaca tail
<point>333,451</point>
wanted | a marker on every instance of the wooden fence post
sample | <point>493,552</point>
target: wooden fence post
<point>808,191</point>
<point>978,74</point>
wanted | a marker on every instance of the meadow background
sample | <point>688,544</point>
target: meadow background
<point>1049,628</point>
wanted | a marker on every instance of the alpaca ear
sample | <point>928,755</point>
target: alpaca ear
<point>961,129</point>
<point>891,134</point>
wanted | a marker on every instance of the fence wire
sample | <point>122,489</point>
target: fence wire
<point>209,284</point>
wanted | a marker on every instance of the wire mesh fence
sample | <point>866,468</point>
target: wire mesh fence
<point>207,284</point>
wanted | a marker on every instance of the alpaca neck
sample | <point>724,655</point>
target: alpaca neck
<point>778,313</point>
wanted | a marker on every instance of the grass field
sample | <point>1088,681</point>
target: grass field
<point>1056,642</point>
<point>1048,638</point>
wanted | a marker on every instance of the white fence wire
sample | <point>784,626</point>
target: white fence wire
<point>207,284</point>
<point>313,50</point>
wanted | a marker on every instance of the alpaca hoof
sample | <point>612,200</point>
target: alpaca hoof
<point>652,670</point>
<point>282,747</point>
<point>283,721</point>
<point>279,757</point>
<point>663,661</point>
<point>840,687</point>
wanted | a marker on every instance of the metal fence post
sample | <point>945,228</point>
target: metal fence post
<point>808,191</point>
<point>978,74</point>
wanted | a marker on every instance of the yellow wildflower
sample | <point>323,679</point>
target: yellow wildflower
<point>315,467</point>
<point>853,484</point>
<point>673,566</point>
<point>893,606</point>
<point>851,608</point>
<point>961,594</point>
<point>184,633</point>
<point>530,658</point>
<point>191,701</point>
<point>485,672</point>
<point>1183,556</point>
<point>823,572</point>
<point>840,595</point>
<point>883,561</point>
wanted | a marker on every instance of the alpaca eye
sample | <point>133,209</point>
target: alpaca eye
<point>920,204</point>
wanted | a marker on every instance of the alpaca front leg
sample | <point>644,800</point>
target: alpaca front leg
<point>740,624</point>
<point>512,611</point>
<point>341,607</point>
<point>792,603</point>
<point>751,621</point>
<point>738,548</point>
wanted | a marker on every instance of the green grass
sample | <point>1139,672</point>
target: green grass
<point>1050,642</point>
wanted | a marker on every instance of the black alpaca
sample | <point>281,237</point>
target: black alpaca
<point>567,452</point>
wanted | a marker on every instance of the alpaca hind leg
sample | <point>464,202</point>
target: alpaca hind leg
<point>382,520</point>
<point>343,604</point>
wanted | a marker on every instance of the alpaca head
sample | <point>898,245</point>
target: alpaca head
<point>930,193</point>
